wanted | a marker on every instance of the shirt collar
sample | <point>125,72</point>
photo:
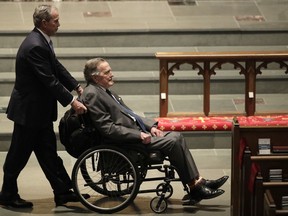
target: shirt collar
<point>102,87</point>
<point>45,35</point>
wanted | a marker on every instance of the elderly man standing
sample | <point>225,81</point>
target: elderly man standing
<point>120,125</point>
<point>41,81</point>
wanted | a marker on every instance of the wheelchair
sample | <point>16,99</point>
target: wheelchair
<point>112,176</point>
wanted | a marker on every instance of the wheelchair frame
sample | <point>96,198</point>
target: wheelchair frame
<point>112,176</point>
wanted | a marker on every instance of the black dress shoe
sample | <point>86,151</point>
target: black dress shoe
<point>202,192</point>
<point>70,196</point>
<point>186,200</point>
<point>15,201</point>
<point>215,184</point>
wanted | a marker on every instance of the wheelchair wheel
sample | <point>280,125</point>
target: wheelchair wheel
<point>109,176</point>
<point>158,205</point>
<point>168,190</point>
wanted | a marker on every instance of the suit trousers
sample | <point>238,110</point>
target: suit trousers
<point>174,146</point>
<point>42,141</point>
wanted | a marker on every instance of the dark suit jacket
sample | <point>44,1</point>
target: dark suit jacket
<point>117,127</point>
<point>109,118</point>
<point>41,81</point>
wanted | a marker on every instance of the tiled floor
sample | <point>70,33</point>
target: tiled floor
<point>34,187</point>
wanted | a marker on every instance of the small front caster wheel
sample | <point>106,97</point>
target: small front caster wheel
<point>160,189</point>
<point>158,205</point>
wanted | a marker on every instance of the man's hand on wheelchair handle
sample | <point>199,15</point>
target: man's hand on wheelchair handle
<point>78,107</point>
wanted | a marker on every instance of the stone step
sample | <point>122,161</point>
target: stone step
<point>208,139</point>
<point>148,105</point>
<point>123,58</point>
<point>195,140</point>
<point>184,82</point>
<point>155,37</point>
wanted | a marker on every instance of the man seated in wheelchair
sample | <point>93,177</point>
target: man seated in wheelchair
<point>118,124</point>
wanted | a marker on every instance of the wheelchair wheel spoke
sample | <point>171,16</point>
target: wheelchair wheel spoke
<point>108,176</point>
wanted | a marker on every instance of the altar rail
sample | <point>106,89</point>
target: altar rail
<point>250,65</point>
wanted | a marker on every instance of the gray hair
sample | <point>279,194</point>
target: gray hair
<point>42,12</point>
<point>91,68</point>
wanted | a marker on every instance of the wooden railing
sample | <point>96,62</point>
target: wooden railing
<point>250,65</point>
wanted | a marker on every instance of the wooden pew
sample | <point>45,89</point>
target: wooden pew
<point>248,175</point>
<point>272,203</point>
<point>243,137</point>
<point>279,189</point>
<point>256,179</point>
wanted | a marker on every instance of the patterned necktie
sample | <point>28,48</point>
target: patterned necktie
<point>130,113</point>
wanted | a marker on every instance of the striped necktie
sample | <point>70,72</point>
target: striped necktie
<point>129,112</point>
